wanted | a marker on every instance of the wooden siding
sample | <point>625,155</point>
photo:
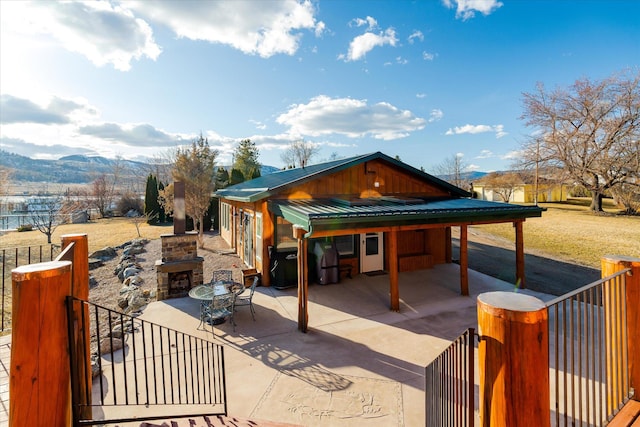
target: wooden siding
<point>359,181</point>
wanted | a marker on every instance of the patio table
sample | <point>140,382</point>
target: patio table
<point>205,293</point>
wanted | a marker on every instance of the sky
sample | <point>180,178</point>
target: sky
<point>422,80</point>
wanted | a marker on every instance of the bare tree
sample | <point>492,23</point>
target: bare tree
<point>452,170</point>
<point>195,166</point>
<point>590,130</point>
<point>503,184</point>
<point>299,153</point>
<point>102,196</point>
<point>46,214</point>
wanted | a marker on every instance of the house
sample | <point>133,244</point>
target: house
<point>548,191</point>
<point>361,214</point>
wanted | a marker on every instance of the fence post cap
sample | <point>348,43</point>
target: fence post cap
<point>511,301</point>
<point>41,270</point>
<point>621,259</point>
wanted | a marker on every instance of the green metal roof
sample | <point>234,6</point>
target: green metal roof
<point>320,215</point>
<point>267,185</point>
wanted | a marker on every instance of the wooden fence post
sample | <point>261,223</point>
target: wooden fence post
<point>513,360</point>
<point>611,264</point>
<point>39,386</point>
<point>80,290</point>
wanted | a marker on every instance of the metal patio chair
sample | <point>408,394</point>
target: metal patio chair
<point>225,276</point>
<point>248,300</point>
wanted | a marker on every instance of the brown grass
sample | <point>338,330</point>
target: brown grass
<point>101,233</point>
<point>570,232</point>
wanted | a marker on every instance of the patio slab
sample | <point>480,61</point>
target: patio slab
<point>359,364</point>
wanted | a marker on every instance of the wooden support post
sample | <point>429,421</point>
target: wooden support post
<point>80,290</point>
<point>394,291</point>
<point>610,265</point>
<point>464,261</point>
<point>513,360</point>
<point>303,281</point>
<point>448,249</point>
<point>39,383</point>
<point>520,279</point>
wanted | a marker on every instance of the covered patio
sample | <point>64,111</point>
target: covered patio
<point>360,364</point>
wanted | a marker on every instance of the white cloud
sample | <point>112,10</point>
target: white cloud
<point>370,22</point>
<point>473,129</point>
<point>264,29</point>
<point>512,155</point>
<point>350,117</point>
<point>428,56</point>
<point>421,95</point>
<point>103,32</point>
<point>416,35</point>
<point>364,43</point>
<point>466,9</point>
<point>435,115</point>
<point>485,154</point>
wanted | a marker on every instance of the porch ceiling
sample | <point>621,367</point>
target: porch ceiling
<point>324,214</point>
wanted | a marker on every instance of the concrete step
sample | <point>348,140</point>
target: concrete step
<point>214,421</point>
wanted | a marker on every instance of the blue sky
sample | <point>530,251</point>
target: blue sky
<point>423,80</point>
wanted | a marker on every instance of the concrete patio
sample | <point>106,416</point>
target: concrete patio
<point>359,365</point>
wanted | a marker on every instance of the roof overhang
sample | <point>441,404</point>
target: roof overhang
<point>326,215</point>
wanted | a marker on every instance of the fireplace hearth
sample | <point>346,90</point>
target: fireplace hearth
<point>180,268</point>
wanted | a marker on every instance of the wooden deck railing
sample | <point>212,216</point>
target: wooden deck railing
<point>589,340</point>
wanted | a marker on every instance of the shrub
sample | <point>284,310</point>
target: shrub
<point>130,202</point>
<point>25,227</point>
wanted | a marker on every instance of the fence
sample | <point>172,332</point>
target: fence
<point>589,352</point>
<point>574,360</point>
<point>449,389</point>
<point>146,371</point>
<point>13,258</point>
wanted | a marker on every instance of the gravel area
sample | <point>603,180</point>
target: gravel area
<point>216,253</point>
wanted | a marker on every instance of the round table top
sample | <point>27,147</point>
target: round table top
<point>208,291</point>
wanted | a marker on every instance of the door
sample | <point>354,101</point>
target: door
<point>247,238</point>
<point>371,252</point>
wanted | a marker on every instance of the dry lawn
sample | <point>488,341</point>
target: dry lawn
<point>569,232</point>
<point>101,233</point>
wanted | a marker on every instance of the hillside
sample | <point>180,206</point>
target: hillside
<point>76,169</point>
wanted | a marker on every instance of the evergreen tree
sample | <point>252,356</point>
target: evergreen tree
<point>246,159</point>
<point>151,204</point>
<point>222,178</point>
<point>236,177</point>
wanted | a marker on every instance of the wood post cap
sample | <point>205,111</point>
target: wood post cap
<point>40,270</point>
<point>621,259</point>
<point>513,306</point>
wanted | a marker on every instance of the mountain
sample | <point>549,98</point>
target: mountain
<point>77,169</point>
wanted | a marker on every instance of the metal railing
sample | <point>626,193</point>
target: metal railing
<point>589,378</point>
<point>143,371</point>
<point>450,387</point>
<point>13,258</point>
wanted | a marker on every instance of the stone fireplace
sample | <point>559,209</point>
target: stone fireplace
<point>180,268</point>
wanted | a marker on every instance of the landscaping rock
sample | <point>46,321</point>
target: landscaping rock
<point>104,254</point>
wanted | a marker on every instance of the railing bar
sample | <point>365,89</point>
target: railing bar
<point>162,367</point>
<point>113,364</point>
<point>556,361</point>
<point>625,338</point>
<point>565,363</point>
<point>4,259</point>
<point>40,253</point>
<point>95,310</point>
<point>144,357</point>
<point>197,382</point>
<point>153,362</point>
<point>15,260</point>
<point>472,374</point>
<point>587,345</point>
<point>184,366</point>
<point>84,309</point>
<point>585,287</point>
<point>579,355</point>
<point>224,380</point>
<point>173,399</point>
<point>29,255</point>
<point>601,357</point>
<point>573,362</point>
<point>178,367</point>
<point>124,361</point>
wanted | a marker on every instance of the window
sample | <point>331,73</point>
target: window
<point>284,235</point>
<point>258,236</point>
<point>345,245</point>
